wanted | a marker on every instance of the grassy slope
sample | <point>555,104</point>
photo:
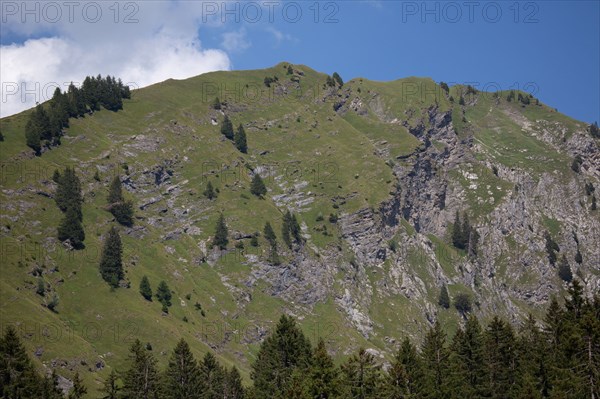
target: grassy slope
<point>304,140</point>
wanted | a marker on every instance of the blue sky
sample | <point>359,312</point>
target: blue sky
<point>550,48</point>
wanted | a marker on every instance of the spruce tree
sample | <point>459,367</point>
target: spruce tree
<point>70,228</point>
<point>435,357</point>
<point>110,389</point>
<point>405,376</point>
<point>121,209</point>
<point>532,350</point>
<point>240,140</point>
<point>272,239</point>
<point>68,192</point>
<point>111,266</point>
<point>41,287</point>
<point>467,360</point>
<point>270,234</point>
<point>141,379</point>
<point>49,388</point>
<point>457,236</point>
<point>551,248</point>
<point>338,79</point>
<point>79,390</point>
<point>163,294</point>
<point>578,257</point>
<point>286,350</point>
<point>444,298</point>
<point>323,376</point>
<point>564,270</point>
<point>115,191</point>
<point>182,376</point>
<point>257,186</point>
<point>212,377</point>
<point>145,288</point>
<point>500,358</point>
<point>361,376</point>
<point>462,303</point>
<point>220,239</point>
<point>209,192</point>
<point>233,387</point>
<point>18,378</point>
<point>227,128</point>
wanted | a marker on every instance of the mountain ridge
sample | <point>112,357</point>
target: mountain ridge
<point>375,175</point>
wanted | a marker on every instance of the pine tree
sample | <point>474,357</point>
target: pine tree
<point>145,288</point>
<point>111,266</point>
<point>444,298</point>
<point>70,228</point>
<point>279,355</point>
<point>564,269</point>
<point>79,390</point>
<point>257,186</point>
<point>111,389</point>
<point>209,192</point>
<point>323,376</point>
<point>435,356</point>
<point>220,239</point>
<point>212,377</point>
<point>361,376</point>
<point>405,376</point>
<point>182,376</point>
<point>163,294</point>
<point>141,380</point>
<point>227,128</point>
<point>240,140</point>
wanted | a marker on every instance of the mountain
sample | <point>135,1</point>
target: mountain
<point>375,174</point>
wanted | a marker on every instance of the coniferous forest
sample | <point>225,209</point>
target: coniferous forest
<point>45,125</point>
<point>557,357</point>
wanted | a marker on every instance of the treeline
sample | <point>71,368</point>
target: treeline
<point>557,358</point>
<point>45,125</point>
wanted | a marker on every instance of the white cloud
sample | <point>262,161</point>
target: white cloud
<point>279,36</point>
<point>236,41</point>
<point>163,44</point>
